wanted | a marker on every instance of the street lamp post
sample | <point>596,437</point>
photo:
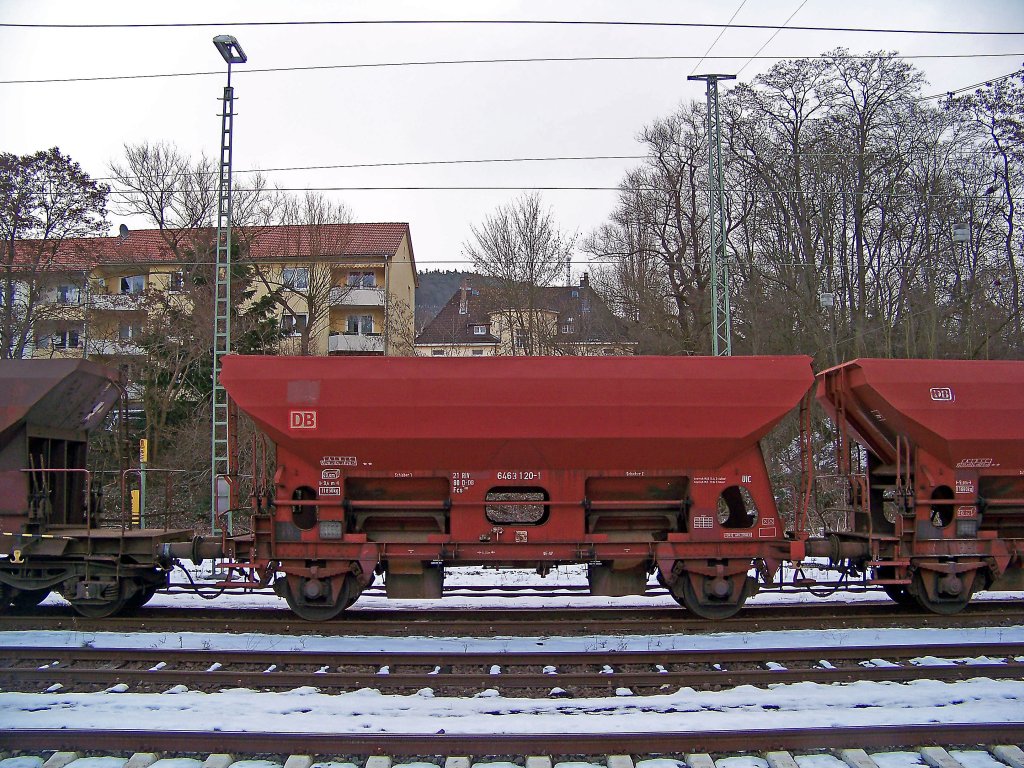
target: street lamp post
<point>222,491</point>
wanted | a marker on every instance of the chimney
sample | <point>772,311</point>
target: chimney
<point>584,280</point>
<point>464,298</point>
<point>123,232</point>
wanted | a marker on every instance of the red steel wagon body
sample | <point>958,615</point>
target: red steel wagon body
<point>409,464</point>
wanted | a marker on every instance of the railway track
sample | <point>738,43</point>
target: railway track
<point>535,674</point>
<point>514,621</point>
<point>850,742</point>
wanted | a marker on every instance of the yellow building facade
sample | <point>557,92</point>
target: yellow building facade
<point>340,289</point>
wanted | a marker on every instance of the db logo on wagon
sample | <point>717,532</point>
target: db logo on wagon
<point>302,419</point>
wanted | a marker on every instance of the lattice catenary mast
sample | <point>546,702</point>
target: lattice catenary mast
<point>721,316</point>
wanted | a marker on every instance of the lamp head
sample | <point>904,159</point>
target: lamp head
<point>230,49</point>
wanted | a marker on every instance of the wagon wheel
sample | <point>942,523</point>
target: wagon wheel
<point>945,603</point>
<point>898,593</point>
<point>27,599</point>
<point>708,608</point>
<point>140,598</point>
<point>110,604</point>
<point>325,610</point>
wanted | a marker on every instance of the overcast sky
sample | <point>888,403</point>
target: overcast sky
<point>403,114</point>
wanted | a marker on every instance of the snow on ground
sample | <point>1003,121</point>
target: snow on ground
<point>306,709</point>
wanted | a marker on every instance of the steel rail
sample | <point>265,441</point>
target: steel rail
<point>514,659</point>
<point>511,621</point>
<point>518,671</point>
<point>460,682</point>
<point>255,742</point>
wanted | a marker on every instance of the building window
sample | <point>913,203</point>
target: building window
<point>133,284</point>
<point>569,326</point>
<point>575,293</point>
<point>479,330</point>
<point>362,280</point>
<point>69,294</point>
<point>176,282</point>
<point>437,352</point>
<point>477,352</point>
<point>128,331</point>
<point>521,339</point>
<point>69,338</point>
<point>296,278</point>
<point>293,325</point>
<point>361,325</point>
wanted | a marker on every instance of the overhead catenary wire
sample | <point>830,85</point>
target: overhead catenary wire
<point>465,62</point>
<point>964,89</point>
<point>774,35</point>
<point>568,188</point>
<point>504,22</point>
<point>722,32</point>
<point>469,161</point>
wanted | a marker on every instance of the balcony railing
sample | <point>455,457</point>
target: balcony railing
<point>115,347</point>
<point>117,301</point>
<point>372,343</point>
<point>351,296</point>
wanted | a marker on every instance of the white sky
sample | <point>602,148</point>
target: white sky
<point>422,113</point>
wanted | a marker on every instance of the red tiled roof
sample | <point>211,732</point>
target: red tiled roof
<point>594,323</point>
<point>147,246</point>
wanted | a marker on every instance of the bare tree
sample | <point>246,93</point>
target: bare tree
<point>520,249</point>
<point>46,201</point>
<point>306,289</point>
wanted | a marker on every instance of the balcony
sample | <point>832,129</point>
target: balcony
<point>117,301</point>
<point>117,347</point>
<point>358,343</point>
<point>353,296</point>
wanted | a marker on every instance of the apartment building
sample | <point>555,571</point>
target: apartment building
<point>338,289</point>
<point>483,319</point>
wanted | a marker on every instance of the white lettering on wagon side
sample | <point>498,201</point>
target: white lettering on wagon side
<point>338,461</point>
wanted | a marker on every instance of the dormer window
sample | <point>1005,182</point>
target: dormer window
<point>479,330</point>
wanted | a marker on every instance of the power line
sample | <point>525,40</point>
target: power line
<point>462,62</point>
<point>990,81</point>
<point>774,35</point>
<point>715,41</point>
<point>568,188</point>
<point>509,22</point>
<point>475,161</point>
<point>407,163</point>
